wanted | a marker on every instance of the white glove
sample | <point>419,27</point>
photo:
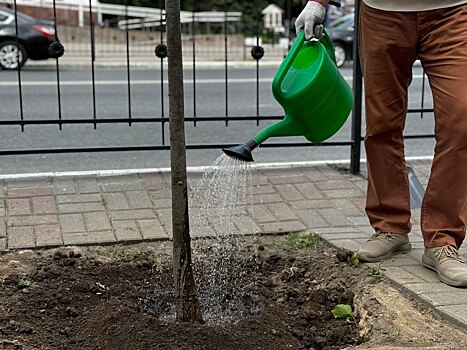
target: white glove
<point>311,18</point>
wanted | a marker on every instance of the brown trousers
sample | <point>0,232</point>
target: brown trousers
<point>389,44</point>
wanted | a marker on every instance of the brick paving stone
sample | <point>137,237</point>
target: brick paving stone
<point>87,185</point>
<point>64,186</point>
<point>97,221</point>
<point>342,235</point>
<point>246,225</point>
<point>139,199</point>
<point>127,231</point>
<point>80,207</point>
<point>261,213</point>
<point>160,194</point>
<point>401,276</point>
<point>30,220</point>
<point>19,206</point>
<point>165,217</point>
<point>89,238</point>
<point>311,218</point>
<point>79,198</point>
<point>154,182</point>
<point>21,237</point>
<point>456,312</point>
<point>2,228</point>
<point>311,204</point>
<point>263,189</point>
<point>358,220</point>
<point>2,244</point>
<point>163,203</point>
<point>330,173</point>
<point>422,272</point>
<point>152,229</point>
<point>346,206</point>
<point>333,216</point>
<point>282,227</point>
<point>266,198</point>
<point>441,298</point>
<point>334,185</point>
<point>289,192</point>
<point>282,211</point>
<point>416,254</point>
<point>425,287</point>
<point>44,205</point>
<point>118,179</point>
<point>132,214</point>
<point>202,231</point>
<point>288,179</point>
<point>258,179</point>
<point>72,223</point>
<point>30,192</point>
<point>309,190</point>
<point>116,201</point>
<point>121,187</point>
<point>345,193</point>
<point>338,230</point>
<point>25,183</point>
<point>313,174</point>
<point>400,260</point>
<point>350,244</point>
<point>48,235</point>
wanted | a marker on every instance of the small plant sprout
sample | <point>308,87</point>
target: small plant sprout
<point>301,240</point>
<point>353,261</point>
<point>376,270</point>
<point>344,311</point>
<point>23,282</point>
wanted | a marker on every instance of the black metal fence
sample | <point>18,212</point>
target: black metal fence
<point>102,35</point>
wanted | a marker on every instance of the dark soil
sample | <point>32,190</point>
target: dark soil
<point>101,298</point>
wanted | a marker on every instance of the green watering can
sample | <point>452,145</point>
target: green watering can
<point>314,95</point>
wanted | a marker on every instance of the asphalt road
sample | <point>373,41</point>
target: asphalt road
<point>39,99</point>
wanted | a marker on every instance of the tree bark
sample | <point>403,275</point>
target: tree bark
<point>187,304</point>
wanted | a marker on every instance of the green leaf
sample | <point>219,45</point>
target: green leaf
<point>342,311</point>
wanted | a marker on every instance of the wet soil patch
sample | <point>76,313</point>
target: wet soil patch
<point>120,298</point>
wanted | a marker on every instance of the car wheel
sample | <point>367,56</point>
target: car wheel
<point>339,52</point>
<point>10,54</point>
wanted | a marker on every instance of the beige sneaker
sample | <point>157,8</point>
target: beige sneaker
<point>383,245</point>
<point>446,262</point>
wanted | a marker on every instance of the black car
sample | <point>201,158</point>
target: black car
<point>34,38</point>
<point>341,31</point>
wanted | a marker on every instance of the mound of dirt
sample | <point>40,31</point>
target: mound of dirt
<point>118,298</point>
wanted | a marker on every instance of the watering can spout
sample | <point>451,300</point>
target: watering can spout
<point>242,152</point>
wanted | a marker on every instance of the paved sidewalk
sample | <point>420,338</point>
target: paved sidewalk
<point>51,212</point>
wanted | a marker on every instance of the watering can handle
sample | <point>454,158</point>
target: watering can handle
<point>295,49</point>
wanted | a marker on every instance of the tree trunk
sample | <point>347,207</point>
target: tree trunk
<point>187,305</point>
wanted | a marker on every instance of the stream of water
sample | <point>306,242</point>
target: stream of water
<point>219,205</point>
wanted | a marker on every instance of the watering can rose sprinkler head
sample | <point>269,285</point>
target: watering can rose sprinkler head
<point>242,152</point>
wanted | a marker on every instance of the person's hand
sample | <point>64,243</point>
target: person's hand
<point>311,18</point>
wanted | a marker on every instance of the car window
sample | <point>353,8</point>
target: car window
<point>343,21</point>
<point>3,17</point>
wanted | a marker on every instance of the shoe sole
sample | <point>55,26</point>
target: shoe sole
<point>402,250</point>
<point>432,266</point>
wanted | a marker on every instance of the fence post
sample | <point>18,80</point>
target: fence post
<point>187,304</point>
<point>357,107</point>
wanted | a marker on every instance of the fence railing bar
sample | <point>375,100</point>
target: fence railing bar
<point>20,89</point>
<point>128,62</point>
<point>226,64</point>
<point>133,120</point>
<point>161,6</point>
<point>422,102</point>
<point>93,59</point>
<point>57,69</point>
<point>257,11</point>
<point>193,38</point>
<point>160,148</point>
